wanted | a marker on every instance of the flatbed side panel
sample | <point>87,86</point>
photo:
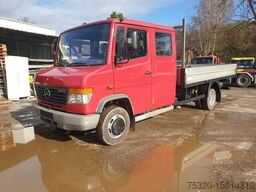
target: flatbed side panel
<point>201,73</point>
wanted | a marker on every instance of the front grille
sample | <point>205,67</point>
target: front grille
<point>52,95</point>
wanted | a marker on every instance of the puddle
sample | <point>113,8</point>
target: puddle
<point>206,152</point>
<point>185,166</point>
<point>69,167</point>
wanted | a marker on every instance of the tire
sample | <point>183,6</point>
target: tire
<point>243,81</point>
<point>209,102</point>
<point>114,125</point>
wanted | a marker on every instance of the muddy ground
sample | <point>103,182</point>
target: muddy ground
<point>184,150</point>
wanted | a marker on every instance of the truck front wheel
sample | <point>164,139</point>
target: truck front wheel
<point>114,125</point>
<point>243,80</point>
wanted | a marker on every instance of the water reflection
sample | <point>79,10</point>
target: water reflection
<point>24,176</point>
<point>67,167</point>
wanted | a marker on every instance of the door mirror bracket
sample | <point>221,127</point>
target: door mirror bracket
<point>121,61</point>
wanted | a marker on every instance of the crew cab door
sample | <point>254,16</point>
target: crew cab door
<point>132,68</point>
<point>164,69</point>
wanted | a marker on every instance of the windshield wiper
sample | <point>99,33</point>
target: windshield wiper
<point>77,64</point>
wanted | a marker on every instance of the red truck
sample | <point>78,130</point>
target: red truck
<point>112,73</point>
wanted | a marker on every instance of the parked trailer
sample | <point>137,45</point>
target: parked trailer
<point>246,71</point>
<point>112,73</point>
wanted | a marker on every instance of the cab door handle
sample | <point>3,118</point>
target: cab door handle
<point>148,73</point>
<point>109,87</point>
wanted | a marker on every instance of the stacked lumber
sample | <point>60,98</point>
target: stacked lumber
<point>6,137</point>
<point>3,53</point>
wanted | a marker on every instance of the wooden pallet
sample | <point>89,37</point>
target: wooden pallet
<point>4,124</point>
<point>7,147</point>
<point>5,136</point>
<point>6,140</point>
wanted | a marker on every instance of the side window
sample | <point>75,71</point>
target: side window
<point>163,44</point>
<point>136,43</point>
<point>121,51</point>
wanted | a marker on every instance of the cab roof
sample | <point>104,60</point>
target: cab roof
<point>128,22</point>
<point>143,24</point>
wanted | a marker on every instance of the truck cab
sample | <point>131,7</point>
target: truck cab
<point>106,74</point>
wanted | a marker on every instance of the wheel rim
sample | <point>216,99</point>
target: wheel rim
<point>116,126</point>
<point>212,97</point>
<point>244,81</point>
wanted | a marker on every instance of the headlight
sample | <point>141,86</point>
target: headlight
<point>80,96</point>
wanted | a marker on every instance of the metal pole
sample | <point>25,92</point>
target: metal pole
<point>184,42</point>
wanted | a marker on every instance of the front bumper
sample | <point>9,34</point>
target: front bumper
<point>71,122</point>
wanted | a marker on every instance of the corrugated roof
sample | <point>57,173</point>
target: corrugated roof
<point>16,25</point>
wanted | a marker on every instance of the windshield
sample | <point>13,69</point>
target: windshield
<point>244,63</point>
<point>203,60</point>
<point>84,46</point>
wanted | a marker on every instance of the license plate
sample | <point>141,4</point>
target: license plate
<point>46,115</point>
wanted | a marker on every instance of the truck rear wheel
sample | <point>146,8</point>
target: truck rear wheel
<point>114,125</point>
<point>210,101</point>
<point>243,80</point>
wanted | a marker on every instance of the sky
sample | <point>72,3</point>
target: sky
<point>64,14</point>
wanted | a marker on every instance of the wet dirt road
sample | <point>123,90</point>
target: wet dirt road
<point>184,150</point>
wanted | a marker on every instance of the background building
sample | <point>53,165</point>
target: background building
<point>27,40</point>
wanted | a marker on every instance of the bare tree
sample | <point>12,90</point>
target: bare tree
<point>245,10</point>
<point>252,6</point>
<point>211,15</point>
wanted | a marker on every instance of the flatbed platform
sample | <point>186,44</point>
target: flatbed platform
<point>195,74</point>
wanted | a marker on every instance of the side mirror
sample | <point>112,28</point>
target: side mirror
<point>122,56</point>
<point>54,48</point>
<point>54,51</point>
<point>121,61</point>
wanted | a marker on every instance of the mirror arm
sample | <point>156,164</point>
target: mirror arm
<point>124,61</point>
